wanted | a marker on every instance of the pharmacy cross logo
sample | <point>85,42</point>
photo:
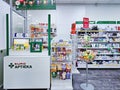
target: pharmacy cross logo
<point>20,65</point>
<point>11,65</point>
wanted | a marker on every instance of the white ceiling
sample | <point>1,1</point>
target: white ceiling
<point>88,1</point>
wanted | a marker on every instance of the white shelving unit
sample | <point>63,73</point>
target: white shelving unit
<point>61,64</point>
<point>105,43</point>
<point>99,66</point>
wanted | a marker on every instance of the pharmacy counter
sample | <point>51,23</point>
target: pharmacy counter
<point>27,72</point>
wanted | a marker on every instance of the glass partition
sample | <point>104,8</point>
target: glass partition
<point>17,23</point>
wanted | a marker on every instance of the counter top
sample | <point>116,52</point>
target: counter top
<point>27,53</point>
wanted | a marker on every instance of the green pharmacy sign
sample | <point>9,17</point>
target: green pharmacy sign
<point>35,46</point>
<point>35,4</point>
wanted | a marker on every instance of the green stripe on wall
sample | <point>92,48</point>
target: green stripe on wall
<point>81,22</point>
<point>106,22</point>
<point>118,22</point>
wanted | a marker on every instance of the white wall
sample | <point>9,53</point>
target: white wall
<point>40,16</point>
<point>4,9</point>
<point>103,12</point>
<point>65,15</point>
<point>37,16</point>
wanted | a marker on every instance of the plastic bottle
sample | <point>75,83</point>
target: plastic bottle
<point>68,75</point>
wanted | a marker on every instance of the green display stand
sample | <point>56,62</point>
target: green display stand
<point>35,46</point>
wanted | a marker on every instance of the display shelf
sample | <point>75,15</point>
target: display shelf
<point>101,36</point>
<point>112,31</point>
<point>100,66</point>
<point>108,54</point>
<point>90,31</point>
<point>116,47</point>
<point>97,48</point>
<point>104,60</point>
<point>36,38</point>
<point>27,53</point>
<point>21,37</point>
<point>100,42</point>
<point>114,36</point>
<point>109,31</point>
<point>40,31</point>
<point>61,61</point>
<point>61,64</point>
<point>106,42</point>
<point>61,46</point>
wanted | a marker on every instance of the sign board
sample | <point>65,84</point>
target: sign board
<point>85,22</point>
<point>35,46</point>
<point>73,28</point>
<point>35,4</point>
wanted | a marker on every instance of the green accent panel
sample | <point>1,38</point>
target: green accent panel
<point>35,46</point>
<point>49,35</point>
<point>118,22</point>
<point>42,5</point>
<point>106,22</point>
<point>7,34</point>
<point>81,22</point>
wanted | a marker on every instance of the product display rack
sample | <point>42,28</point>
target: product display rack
<point>40,32</point>
<point>105,42</point>
<point>61,64</point>
<point>37,33</point>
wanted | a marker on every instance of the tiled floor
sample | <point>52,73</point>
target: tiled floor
<point>101,79</point>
